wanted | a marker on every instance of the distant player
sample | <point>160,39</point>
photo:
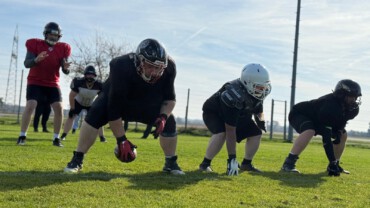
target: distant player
<point>84,90</point>
<point>326,116</point>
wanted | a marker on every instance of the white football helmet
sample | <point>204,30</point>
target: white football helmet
<point>256,80</point>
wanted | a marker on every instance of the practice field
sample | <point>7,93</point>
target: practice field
<point>32,176</point>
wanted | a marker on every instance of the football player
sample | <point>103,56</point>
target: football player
<point>45,58</point>
<point>83,92</point>
<point>326,116</point>
<point>140,87</point>
<point>228,116</point>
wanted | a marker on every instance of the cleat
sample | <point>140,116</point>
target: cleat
<point>172,167</point>
<point>342,170</point>
<point>56,142</point>
<point>333,169</point>
<point>289,165</point>
<point>21,140</point>
<point>73,131</point>
<point>45,130</point>
<point>205,168</point>
<point>249,168</point>
<point>63,137</point>
<point>75,165</point>
<point>103,139</point>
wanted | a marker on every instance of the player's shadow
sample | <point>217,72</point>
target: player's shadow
<point>298,180</point>
<point>22,180</point>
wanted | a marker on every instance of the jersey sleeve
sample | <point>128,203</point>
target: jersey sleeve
<point>330,114</point>
<point>67,50</point>
<point>74,85</point>
<point>31,46</point>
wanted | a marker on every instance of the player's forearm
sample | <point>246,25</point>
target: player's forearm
<point>30,60</point>
<point>167,107</point>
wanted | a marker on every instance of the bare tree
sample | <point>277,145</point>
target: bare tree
<point>97,51</point>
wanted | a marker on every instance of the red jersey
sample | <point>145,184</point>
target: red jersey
<point>46,72</point>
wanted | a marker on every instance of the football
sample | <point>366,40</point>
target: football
<point>128,157</point>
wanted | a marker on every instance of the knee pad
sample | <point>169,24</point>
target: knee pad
<point>170,128</point>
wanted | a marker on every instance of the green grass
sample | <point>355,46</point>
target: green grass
<point>32,176</point>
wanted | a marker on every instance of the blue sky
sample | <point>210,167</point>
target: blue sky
<point>211,41</point>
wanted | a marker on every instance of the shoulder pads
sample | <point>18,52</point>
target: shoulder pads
<point>234,95</point>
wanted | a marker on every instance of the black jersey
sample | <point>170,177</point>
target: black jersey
<point>126,90</point>
<point>86,93</point>
<point>326,111</point>
<point>234,107</point>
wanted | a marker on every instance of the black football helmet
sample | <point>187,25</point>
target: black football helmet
<point>54,29</point>
<point>348,88</point>
<point>90,70</point>
<point>150,51</point>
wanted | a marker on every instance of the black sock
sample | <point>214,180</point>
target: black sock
<point>246,162</point>
<point>63,135</point>
<point>293,157</point>
<point>206,161</point>
<point>232,157</point>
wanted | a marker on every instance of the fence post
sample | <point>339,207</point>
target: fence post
<point>186,111</point>
<point>272,119</point>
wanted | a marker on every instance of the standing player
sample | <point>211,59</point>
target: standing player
<point>83,92</point>
<point>43,109</point>
<point>228,116</point>
<point>44,58</point>
<point>326,116</point>
<point>140,88</point>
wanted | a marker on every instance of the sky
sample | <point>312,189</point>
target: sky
<point>211,41</point>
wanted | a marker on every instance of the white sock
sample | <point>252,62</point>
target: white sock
<point>56,136</point>
<point>23,133</point>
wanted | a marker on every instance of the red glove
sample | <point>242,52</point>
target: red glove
<point>125,151</point>
<point>159,123</point>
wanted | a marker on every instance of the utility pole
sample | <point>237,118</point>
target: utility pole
<point>11,87</point>
<point>294,73</point>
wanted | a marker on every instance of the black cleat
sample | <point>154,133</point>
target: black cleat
<point>333,169</point>
<point>75,165</point>
<point>205,168</point>
<point>172,167</point>
<point>56,142</point>
<point>289,165</point>
<point>250,168</point>
<point>342,170</point>
<point>21,140</point>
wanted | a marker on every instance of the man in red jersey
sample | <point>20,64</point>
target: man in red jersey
<point>44,58</point>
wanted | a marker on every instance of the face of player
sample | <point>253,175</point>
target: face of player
<point>151,71</point>
<point>52,39</point>
<point>90,77</point>
<point>353,101</point>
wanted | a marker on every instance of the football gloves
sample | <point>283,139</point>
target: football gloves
<point>125,151</point>
<point>232,167</point>
<point>159,124</point>
<point>260,124</point>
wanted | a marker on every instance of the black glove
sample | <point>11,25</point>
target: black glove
<point>71,113</point>
<point>333,169</point>
<point>260,124</point>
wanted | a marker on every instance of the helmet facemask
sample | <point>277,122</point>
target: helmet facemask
<point>259,90</point>
<point>150,71</point>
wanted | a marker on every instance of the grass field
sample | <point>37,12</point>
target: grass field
<point>32,176</point>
